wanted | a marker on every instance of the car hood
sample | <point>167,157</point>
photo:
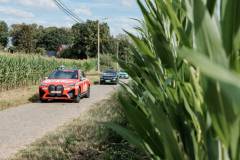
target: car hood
<point>59,81</point>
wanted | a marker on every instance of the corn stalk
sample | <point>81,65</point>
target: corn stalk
<point>183,99</point>
<point>23,70</point>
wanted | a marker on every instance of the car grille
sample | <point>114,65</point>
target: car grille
<point>55,88</point>
<point>108,78</point>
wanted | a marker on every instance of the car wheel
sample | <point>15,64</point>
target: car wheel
<point>78,97</point>
<point>88,93</point>
<point>43,100</point>
<point>116,82</point>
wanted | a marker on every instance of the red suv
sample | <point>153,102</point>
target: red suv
<point>65,85</point>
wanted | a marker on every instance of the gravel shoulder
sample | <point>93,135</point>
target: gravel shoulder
<point>23,125</point>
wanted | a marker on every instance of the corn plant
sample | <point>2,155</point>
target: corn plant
<point>22,70</point>
<point>183,99</point>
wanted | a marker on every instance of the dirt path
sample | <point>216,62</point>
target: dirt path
<point>23,125</point>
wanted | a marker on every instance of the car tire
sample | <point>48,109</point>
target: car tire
<point>78,97</point>
<point>116,82</point>
<point>88,93</point>
<point>43,100</point>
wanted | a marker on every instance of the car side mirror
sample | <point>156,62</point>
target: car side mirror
<point>83,74</point>
<point>82,78</point>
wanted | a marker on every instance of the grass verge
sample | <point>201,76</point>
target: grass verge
<point>85,138</point>
<point>18,96</point>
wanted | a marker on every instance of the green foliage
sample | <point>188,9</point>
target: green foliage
<point>3,33</point>
<point>29,38</point>
<point>183,100</point>
<point>123,47</point>
<point>53,37</point>
<point>72,54</point>
<point>108,61</point>
<point>85,37</point>
<point>19,70</point>
<point>80,40</point>
<point>40,51</point>
<point>24,37</point>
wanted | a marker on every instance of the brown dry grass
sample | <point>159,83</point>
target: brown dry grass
<point>18,96</point>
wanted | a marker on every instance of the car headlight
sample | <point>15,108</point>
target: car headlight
<point>43,85</point>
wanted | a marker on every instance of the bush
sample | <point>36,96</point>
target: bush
<point>72,54</point>
<point>107,61</point>
<point>40,51</point>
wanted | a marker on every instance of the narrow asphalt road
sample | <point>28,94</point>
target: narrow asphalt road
<point>23,125</point>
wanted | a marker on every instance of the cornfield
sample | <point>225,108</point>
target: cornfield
<point>22,70</point>
<point>183,102</point>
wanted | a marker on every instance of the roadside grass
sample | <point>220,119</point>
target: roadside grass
<point>18,96</point>
<point>85,138</point>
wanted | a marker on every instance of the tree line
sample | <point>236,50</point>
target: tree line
<point>80,40</point>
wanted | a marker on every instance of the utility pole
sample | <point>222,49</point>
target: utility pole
<point>98,54</point>
<point>98,43</point>
<point>117,55</point>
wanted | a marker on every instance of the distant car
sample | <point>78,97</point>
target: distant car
<point>123,75</point>
<point>109,77</point>
<point>65,84</point>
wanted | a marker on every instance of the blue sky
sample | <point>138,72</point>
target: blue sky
<point>45,12</point>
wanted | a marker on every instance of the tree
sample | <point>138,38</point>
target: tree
<point>124,46</point>
<point>53,37</point>
<point>85,37</point>
<point>3,33</point>
<point>24,37</point>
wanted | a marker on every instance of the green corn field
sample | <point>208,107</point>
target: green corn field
<point>23,70</point>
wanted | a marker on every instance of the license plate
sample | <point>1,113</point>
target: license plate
<point>56,92</point>
<point>108,81</point>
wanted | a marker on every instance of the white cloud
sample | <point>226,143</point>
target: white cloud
<point>16,12</point>
<point>33,3</point>
<point>37,3</point>
<point>4,1</point>
<point>118,24</point>
<point>128,3</point>
<point>83,10</point>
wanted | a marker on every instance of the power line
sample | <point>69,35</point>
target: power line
<point>66,10</point>
<point>70,10</point>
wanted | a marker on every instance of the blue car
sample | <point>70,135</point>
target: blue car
<point>109,77</point>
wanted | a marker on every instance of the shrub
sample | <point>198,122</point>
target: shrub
<point>40,51</point>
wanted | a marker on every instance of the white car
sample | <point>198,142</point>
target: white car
<point>123,75</point>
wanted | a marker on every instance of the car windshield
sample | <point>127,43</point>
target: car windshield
<point>122,72</point>
<point>64,75</point>
<point>110,73</point>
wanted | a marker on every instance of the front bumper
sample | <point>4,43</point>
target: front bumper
<point>67,93</point>
<point>124,77</point>
<point>109,80</point>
